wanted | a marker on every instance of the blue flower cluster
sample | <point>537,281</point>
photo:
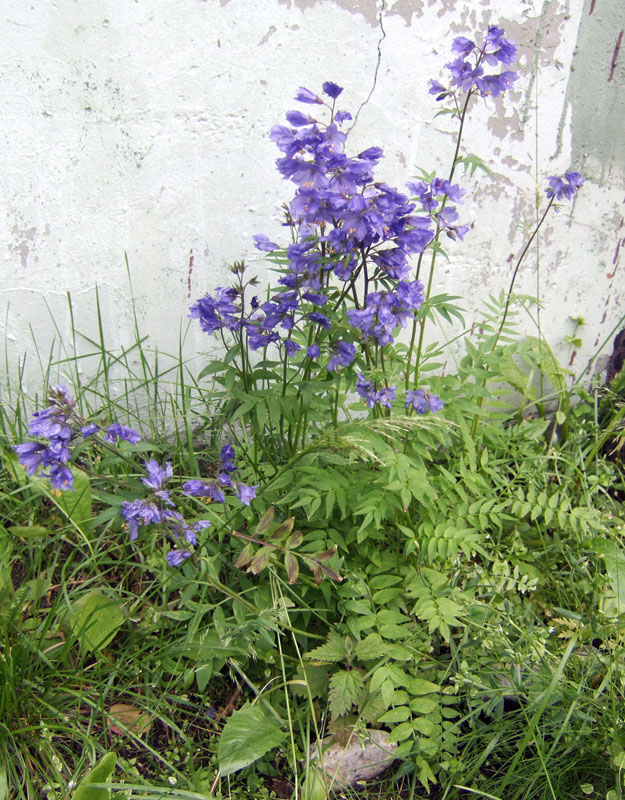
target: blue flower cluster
<point>159,509</point>
<point>433,197</point>
<point>564,187</point>
<point>59,424</point>
<point>467,69</point>
<point>386,311</point>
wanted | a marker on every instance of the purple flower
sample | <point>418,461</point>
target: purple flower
<point>208,491</point>
<point>291,347</point>
<point>468,75</point>
<point>421,401</point>
<point>306,96</point>
<point>139,513</point>
<point>89,430</point>
<point>262,242</point>
<point>298,119</point>
<point>462,46</point>
<point>157,476</point>
<point>332,90</point>
<point>117,431</point>
<point>320,319</point>
<point>439,90</point>
<point>317,299</point>
<point>246,493</point>
<point>344,354</point>
<point>217,312</point>
<point>564,187</point>
<point>61,478</point>
<point>313,351</point>
<point>29,455</point>
<point>372,397</point>
<point>51,423</point>
<point>176,557</point>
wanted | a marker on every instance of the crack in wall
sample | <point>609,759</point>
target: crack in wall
<point>377,65</point>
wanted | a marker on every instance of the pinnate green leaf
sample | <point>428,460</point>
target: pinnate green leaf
<point>345,687</point>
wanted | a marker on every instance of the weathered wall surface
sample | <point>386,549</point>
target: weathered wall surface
<point>141,128</point>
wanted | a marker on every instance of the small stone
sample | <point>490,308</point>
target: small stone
<point>365,757</point>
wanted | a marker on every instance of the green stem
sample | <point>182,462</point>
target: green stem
<point>421,324</point>
<point>495,341</point>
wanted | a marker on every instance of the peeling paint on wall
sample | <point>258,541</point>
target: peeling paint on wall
<point>595,93</point>
<point>132,129</point>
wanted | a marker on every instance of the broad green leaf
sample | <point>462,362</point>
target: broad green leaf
<point>76,505</point>
<point>4,785</point>
<point>247,735</point>
<point>101,773</point>
<point>615,564</point>
<point>94,620</point>
<point>399,714</point>
<point>419,686</point>
<point>30,531</point>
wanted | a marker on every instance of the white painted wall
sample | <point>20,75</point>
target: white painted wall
<point>140,127</point>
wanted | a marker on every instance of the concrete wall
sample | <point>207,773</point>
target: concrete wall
<point>140,127</point>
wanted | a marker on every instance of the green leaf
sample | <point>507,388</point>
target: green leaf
<point>345,686</point>
<point>30,531</point>
<point>76,505</point>
<point>615,564</point>
<point>247,735</point>
<point>4,785</point>
<point>333,650</point>
<point>94,619</point>
<point>101,773</point>
<point>399,714</point>
<point>292,567</point>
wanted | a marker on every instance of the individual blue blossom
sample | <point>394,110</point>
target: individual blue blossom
<point>227,456</point>
<point>462,46</point>
<point>206,491</point>
<point>420,401</point>
<point>257,339</point>
<point>564,187</point>
<point>497,48</point>
<point>319,319</point>
<point>331,89</point>
<point>29,455</point>
<point>314,351</point>
<point>116,431</point>
<point>291,347</point>
<point>245,493</point>
<point>263,243</point>
<point>89,430</point>
<point>298,119</point>
<point>342,116</point>
<point>317,299</point>
<point>61,478</point>
<point>306,96</point>
<point>439,90</point>
<point>176,557</point>
<point>179,528</point>
<point>344,354</point>
<point>157,475</point>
